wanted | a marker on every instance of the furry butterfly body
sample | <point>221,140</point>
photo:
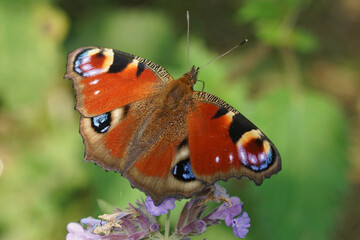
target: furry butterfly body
<point>165,138</point>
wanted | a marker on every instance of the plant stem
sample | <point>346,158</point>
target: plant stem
<point>167,226</point>
<point>157,236</point>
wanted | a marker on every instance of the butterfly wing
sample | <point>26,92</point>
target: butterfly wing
<point>224,144</point>
<point>105,79</point>
<point>114,90</point>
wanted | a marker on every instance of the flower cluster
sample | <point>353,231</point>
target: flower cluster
<point>191,223</point>
<point>133,223</point>
<point>139,222</point>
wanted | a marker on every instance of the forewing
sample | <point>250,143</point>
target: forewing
<point>106,79</point>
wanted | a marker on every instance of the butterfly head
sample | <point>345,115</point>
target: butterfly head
<point>191,76</point>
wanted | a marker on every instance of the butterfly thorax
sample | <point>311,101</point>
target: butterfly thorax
<point>181,89</point>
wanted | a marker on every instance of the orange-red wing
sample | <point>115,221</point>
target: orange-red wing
<point>224,144</point>
<point>157,162</point>
<point>107,136</point>
<point>211,148</point>
<point>106,79</point>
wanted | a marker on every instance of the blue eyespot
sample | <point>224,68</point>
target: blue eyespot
<point>182,171</point>
<point>101,123</point>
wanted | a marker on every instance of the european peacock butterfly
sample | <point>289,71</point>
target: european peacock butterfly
<point>165,138</point>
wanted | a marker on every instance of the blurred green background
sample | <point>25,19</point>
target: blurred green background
<point>297,79</point>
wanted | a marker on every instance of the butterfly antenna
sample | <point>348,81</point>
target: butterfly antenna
<point>225,53</point>
<point>188,40</point>
<point>203,84</point>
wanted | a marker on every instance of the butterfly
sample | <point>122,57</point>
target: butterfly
<point>165,138</point>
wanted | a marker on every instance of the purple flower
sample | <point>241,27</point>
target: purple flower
<point>190,222</point>
<point>91,222</point>
<point>227,212</point>
<point>138,221</point>
<point>155,227</point>
<point>240,225</point>
<point>133,223</point>
<point>77,232</point>
<point>164,207</point>
<point>194,228</point>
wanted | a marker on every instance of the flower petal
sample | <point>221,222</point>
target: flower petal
<point>240,225</point>
<point>226,212</point>
<point>75,228</point>
<point>164,207</point>
<point>91,222</point>
<point>77,232</point>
